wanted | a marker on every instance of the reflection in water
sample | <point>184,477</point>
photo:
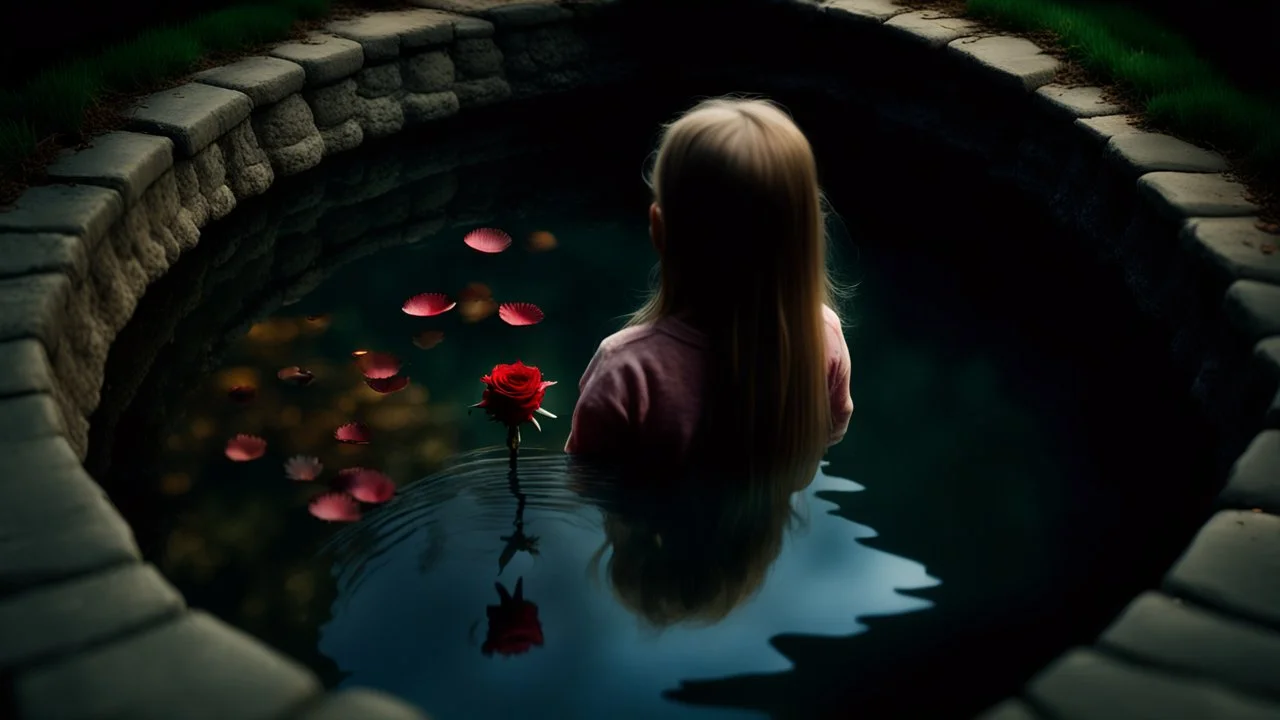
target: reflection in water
<point>408,626</point>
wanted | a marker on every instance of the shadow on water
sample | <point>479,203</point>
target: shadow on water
<point>1018,436</point>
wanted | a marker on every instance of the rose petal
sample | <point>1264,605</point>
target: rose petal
<point>386,386</point>
<point>358,353</point>
<point>370,486</point>
<point>378,365</point>
<point>302,468</point>
<point>428,304</point>
<point>542,241</point>
<point>487,240</point>
<point>520,313</point>
<point>428,339</point>
<point>295,375</point>
<point>335,507</point>
<point>353,433</point>
<point>243,448</point>
<point>242,393</point>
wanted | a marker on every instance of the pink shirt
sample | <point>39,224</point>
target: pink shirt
<point>644,387</point>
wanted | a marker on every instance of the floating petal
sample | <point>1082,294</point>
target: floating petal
<point>370,486</point>
<point>302,468</point>
<point>242,393</point>
<point>428,339</point>
<point>359,353</point>
<point>335,507</point>
<point>243,448</point>
<point>295,375</point>
<point>542,241</point>
<point>428,304</point>
<point>353,433</point>
<point>520,313</point>
<point>386,386</point>
<point>487,240</point>
<point>378,365</point>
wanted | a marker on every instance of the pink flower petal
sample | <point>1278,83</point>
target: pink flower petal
<point>243,448</point>
<point>295,375</point>
<point>242,393</point>
<point>353,433</point>
<point>378,365</point>
<point>386,386</point>
<point>370,486</point>
<point>302,468</point>
<point>487,240</point>
<point>428,339</point>
<point>335,507</point>
<point>428,304</point>
<point>520,313</point>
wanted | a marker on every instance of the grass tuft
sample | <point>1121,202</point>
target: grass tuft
<point>1159,69</point>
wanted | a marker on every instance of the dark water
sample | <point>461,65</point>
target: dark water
<point>1020,463</point>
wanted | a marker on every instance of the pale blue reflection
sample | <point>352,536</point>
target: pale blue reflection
<point>414,582</point>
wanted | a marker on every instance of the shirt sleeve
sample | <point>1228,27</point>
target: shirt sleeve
<point>838,382</point>
<point>601,421</point>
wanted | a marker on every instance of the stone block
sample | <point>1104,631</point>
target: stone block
<point>84,210</point>
<point>503,13</point>
<point>1011,709</point>
<point>27,417</point>
<point>285,123</point>
<point>1104,127</point>
<point>467,28</point>
<point>1180,195</point>
<point>32,307</point>
<point>361,703</point>
<point>1087,685</point>
<point>386,35</point>
<point>52,620</point>
<point>1233,565</point>
<point>1165,632</point>
<point>1143,152</point>
<point>24,368</point>
<point>1254,481</point>
<point>1012,59</point>
<point>341,138</point>
<point>932,27</point>
<point>194,667</point>
<point>1080,101</point>
<point>429,72</point>
<point>425,107</point>
<point>192,115</point>
<point>123,161</point>
<point>376,81</point>
<point>874,11</point>
<point>325,58</point>
<point>35,253</point>
<point>381,116</point>
<point>1234,247</point>
<point>302,155</point>
<point>1266,354</point>
<point>1253,308</point>
<point>266,80</point>
<point>483,92</point>
<point>333,104</point>
<point>478,58</point>
<point>75,544</point>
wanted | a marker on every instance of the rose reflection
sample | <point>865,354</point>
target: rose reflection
<point>514,627</point>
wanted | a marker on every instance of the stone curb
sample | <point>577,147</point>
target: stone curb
<point>77,254</point>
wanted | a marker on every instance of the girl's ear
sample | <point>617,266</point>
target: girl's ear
<point>657,232</point>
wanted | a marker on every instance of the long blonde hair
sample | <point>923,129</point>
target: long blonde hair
<point>744,259</point>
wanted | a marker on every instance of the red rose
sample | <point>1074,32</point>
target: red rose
<point>513,624</point>
<point>513,394</point>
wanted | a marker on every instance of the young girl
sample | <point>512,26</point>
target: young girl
<point>738,351</point>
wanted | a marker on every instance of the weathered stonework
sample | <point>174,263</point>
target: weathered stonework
<point>77,254</point>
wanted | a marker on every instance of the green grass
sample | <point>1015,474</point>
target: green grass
<point>1159,70</point>
<point>56,100</point>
